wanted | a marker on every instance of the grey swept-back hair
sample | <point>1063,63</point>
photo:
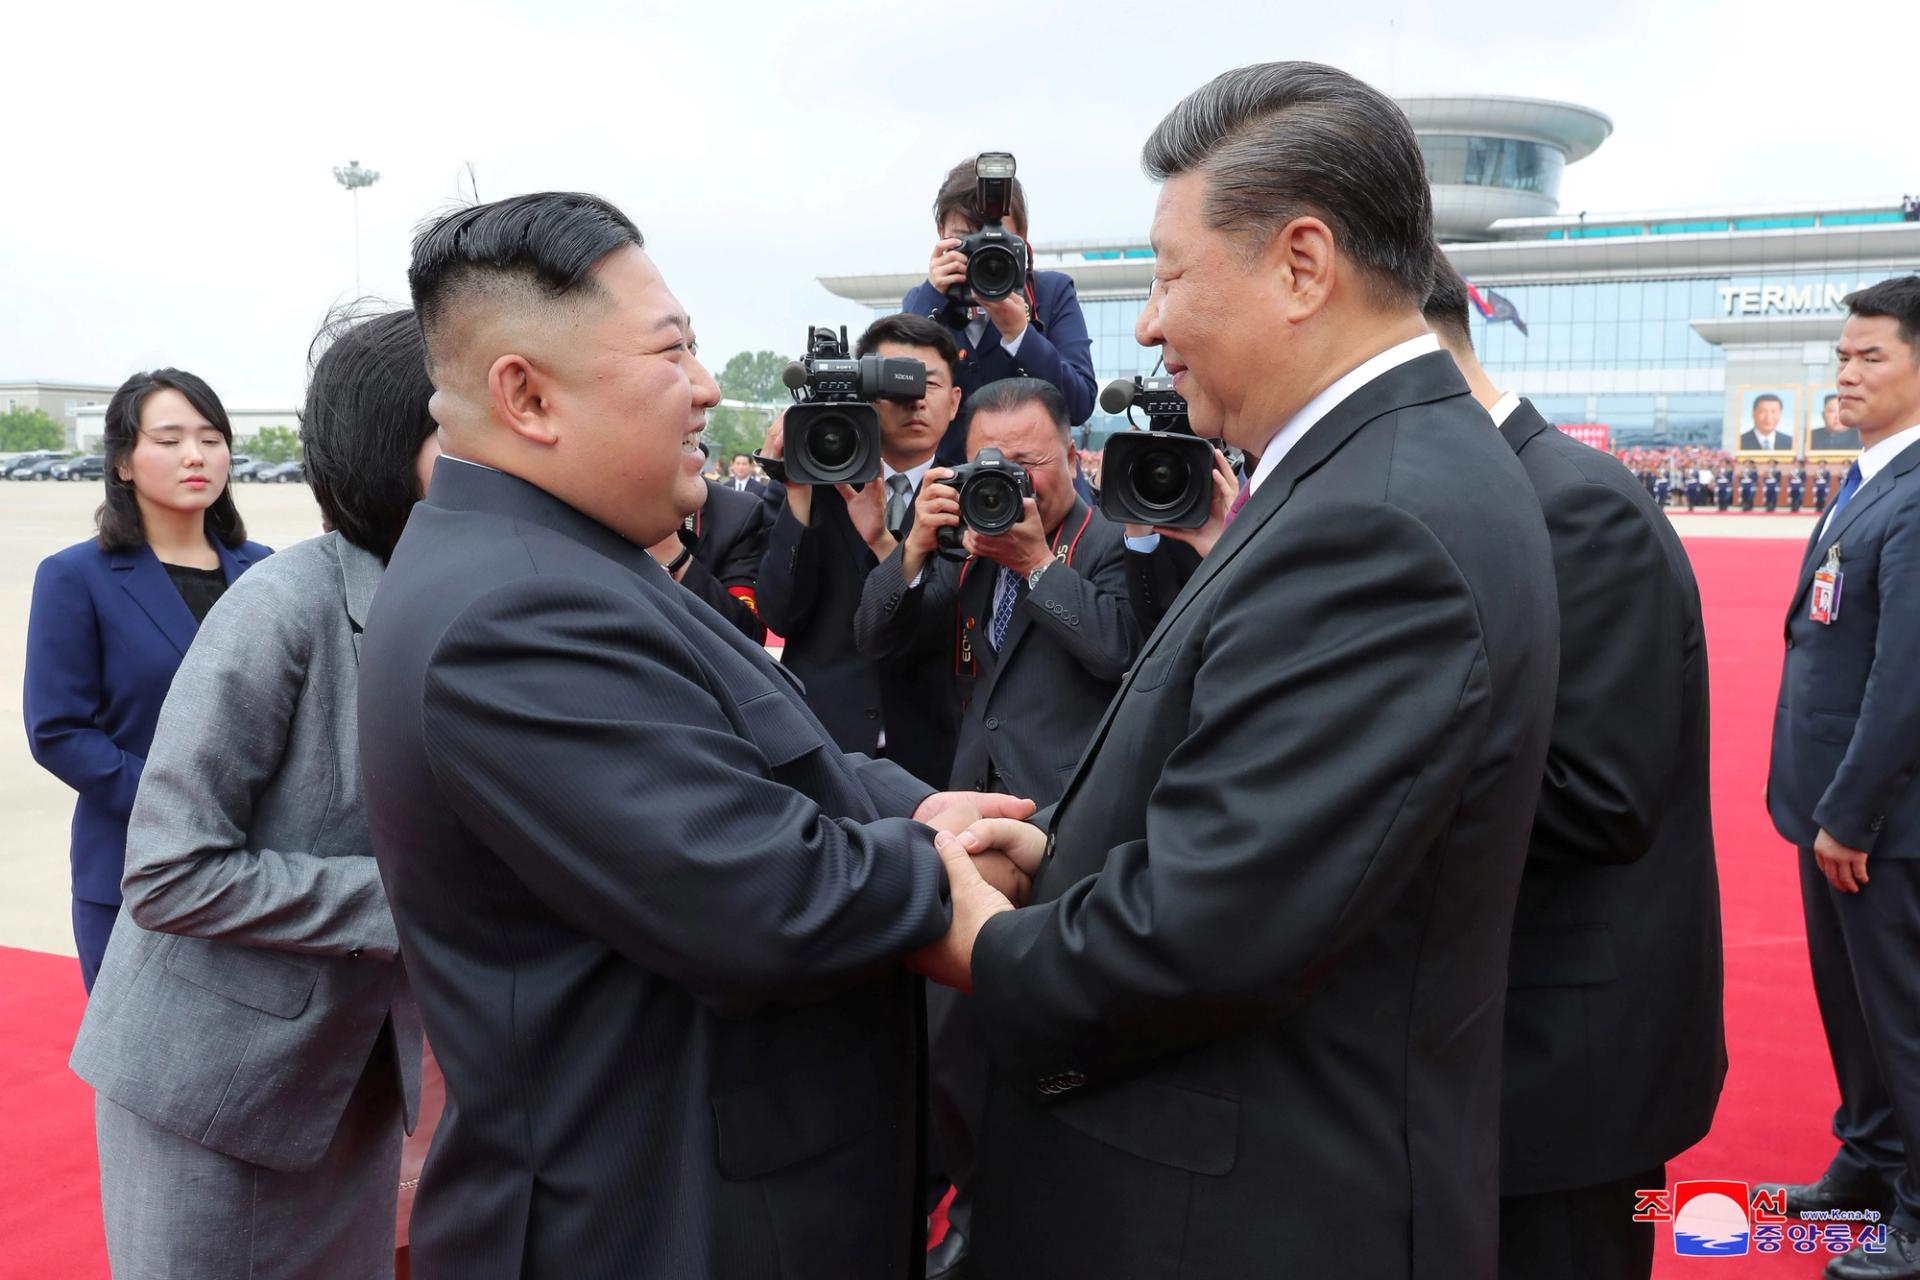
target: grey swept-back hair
<point>1281,140</point>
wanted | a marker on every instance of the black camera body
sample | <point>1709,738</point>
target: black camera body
<point>992,493</point>
<point>996,258</point>
<point>832,434</point>
<point>1160,476</point>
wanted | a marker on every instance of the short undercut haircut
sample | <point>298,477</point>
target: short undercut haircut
<point>1897,299</point>
<point>1010,395</point>
<point>1446,307</point>
<point>911,331</point>
<point>1283,140</point>
<point>539,247</point>
<point>1767,397</point>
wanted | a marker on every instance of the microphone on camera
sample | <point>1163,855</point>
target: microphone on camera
<point>794,375</point>
<point>1117,396</point>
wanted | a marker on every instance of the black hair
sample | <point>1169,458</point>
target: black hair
<point>1446,307</point>
<point>364,422</point>
<point>1765,396</point>
<point>911,331</point>
<point>118,518</point>
<point>1897,299</point>
<point>1280,140</point>
<point>548,242</point>
<point>736,457</point>
<point>960,193</point>
<point>1010,394</point>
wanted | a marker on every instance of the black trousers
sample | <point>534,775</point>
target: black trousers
<point>1862,946</point>
<point>1587,1233</point>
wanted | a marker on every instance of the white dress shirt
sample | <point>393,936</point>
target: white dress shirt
<point>1874,460</point>
<point>977,329</point>
<point>1503,407</point>
<point>1321,405</point>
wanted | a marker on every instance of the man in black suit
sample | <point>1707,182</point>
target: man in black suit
<point>1039,630</point>
<point>1832,435</point>
<point>824,543</point>
<point>1615,1044</point>
<point>716,551</point>
<point>653,915</point>
<point>1846,744</point>
<point>741,477</point>
<point>1766,435</point>
<point>1252,1024</point>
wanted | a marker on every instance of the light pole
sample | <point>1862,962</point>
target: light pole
<point>353,177</point>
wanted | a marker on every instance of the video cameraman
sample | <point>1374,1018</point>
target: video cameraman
<point>823,544</point>
<point>1034,332</point>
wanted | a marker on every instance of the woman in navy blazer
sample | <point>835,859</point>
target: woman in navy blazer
<point>113,616</point>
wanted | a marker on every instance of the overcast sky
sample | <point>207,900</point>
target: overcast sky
<point>168,199</point>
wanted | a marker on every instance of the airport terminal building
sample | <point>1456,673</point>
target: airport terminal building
<point>1665,328</point>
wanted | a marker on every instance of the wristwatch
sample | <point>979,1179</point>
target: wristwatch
<point>1033,579</point>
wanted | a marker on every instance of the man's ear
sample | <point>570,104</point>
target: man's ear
<point>1300,260</point>
<point>521,397</point>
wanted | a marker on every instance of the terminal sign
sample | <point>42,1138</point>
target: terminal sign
<point>1782,299</point>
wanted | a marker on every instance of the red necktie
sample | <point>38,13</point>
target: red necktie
<point>1239,501</point>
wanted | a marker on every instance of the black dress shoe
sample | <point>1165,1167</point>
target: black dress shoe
<point>948,1259</point>
<point>1900,1261</point>
<point>1831,1193</point>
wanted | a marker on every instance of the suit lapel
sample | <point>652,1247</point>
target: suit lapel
<point>142,576</point>
<point>1868,494</point>
<point>1423,380</point>
<point>1019,625</point>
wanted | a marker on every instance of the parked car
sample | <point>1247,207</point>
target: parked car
<point>283,473</point>
<point>41,470</point>
<point>17,468</point>
<point>91,467</point>
<point>249,468</point>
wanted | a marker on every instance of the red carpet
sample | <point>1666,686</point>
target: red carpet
<point>1773,1118</point>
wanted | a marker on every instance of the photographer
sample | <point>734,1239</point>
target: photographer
<point>1037,623</point>
<point>1034,332</point>
<point>717,550</point>
<point>823,544</point>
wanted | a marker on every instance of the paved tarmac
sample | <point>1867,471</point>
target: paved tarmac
<point>37,519</point>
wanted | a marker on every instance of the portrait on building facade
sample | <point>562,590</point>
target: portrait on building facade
<point>1769,419</point>
<point>1829,434</point>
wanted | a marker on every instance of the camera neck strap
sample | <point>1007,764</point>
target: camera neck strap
<point>964,663</point>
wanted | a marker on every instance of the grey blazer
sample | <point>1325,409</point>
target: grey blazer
<point>255,960</point>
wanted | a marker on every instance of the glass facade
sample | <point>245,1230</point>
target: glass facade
<point>1492,162</point>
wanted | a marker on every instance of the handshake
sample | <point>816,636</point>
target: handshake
<point>991,854</point>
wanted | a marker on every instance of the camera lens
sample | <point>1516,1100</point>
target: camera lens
<point>1159,478</point>
<point>832,442</point>
<point>993,271</point>
<point>990,504</point>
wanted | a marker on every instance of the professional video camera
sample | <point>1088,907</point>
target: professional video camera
<point>1162,475</point>
<point>832,433</point>
<point>992,492</point>
<point>996,257</point>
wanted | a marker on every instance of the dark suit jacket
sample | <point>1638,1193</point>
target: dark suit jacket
<point>1615,1048</point>
<point>1846,734</point>
<point>106,632</point>
<point>1845,438</point>
<point>651,913</point>
<point>1057,350</point>
<point>1027,710</point>
<point>732,532</point>
<point>810,582</point>
<point>1154,579</point>
<point>1255,1011</point>
<point>1750,441</point>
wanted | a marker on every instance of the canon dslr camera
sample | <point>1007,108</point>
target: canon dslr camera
<point>832,433</point>
<point>996,257</point>
<point>992,493</point>
<point>1163,475</point>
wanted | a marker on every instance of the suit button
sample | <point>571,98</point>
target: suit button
<point>1073,619</point>
<point>872,714</point>
<point>1876,824</point>
<point>1789,642</point>
<point>893,601</point>
<point>993,722</point>
<point>354,954</point>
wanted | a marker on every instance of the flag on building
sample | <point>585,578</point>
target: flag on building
<point>1496,307</point>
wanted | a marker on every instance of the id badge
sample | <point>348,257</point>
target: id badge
<point>1824,601</point>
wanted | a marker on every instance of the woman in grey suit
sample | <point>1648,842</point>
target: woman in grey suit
<point>252,1039</point>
